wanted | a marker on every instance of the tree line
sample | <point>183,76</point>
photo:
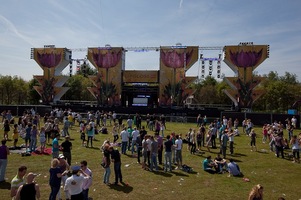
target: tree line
<point>281,91</point>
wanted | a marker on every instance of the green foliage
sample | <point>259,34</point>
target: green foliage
<point>13,90</point>
<point>78,88</point>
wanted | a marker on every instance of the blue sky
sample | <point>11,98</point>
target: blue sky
<point>140,23</point>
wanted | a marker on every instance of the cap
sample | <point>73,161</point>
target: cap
<point>75,168</point>
<point>30,176</point>
<point>61,156</point>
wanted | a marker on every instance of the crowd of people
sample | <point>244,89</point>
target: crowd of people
<point>151,149</point>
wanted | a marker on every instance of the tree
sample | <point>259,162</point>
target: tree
<point>78,88</point>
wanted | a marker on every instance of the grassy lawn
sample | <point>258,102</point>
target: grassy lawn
<point>279,177</point>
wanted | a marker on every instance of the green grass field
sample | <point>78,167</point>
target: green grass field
<point>279,177</point>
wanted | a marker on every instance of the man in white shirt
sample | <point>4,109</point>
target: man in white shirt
<point>124,140</point>
<point>135,134</point>
<point>178,151</point>
<point>74,184</point>
<point>87,182</point>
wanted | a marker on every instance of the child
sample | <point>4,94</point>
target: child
<point>42,139</point>
<point>83,137</point>
<point>15,135</point>
<point>6,128</point>
<point>253,139</point>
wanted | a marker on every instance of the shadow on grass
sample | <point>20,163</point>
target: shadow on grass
<point>179,173</point>
<point>165,174</point>
<point>124,187</point>
<point>238,155</point>
<point>5,185</point>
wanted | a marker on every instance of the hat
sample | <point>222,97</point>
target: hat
<point>30,176</point>
<point>61,156</point>
<point>57,135</point>
<point>75,168</point>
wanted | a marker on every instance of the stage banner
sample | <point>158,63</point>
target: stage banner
<point>53,61</point>
<point>244,59</point>
<point>108,62</point>
<point>174,62</point>
<point>134,76</point>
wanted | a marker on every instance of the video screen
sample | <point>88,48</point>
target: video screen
<point>138,101</point>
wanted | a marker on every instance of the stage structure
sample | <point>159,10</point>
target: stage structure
<point>115,86</point>
<point>167,87</point>
<point>53,61</point>
<point>243,59</point>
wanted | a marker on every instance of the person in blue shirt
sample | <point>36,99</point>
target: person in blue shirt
<point>210,166</point>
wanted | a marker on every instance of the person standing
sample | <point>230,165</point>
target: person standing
<point>279,142</point>
<point>74,184</point>
<point>224,142</point>
<point>178,151</point>
<point>87,182</point>
<point>55,178</point>
<point>66,125</point>
<point>30,190</point>
<point>6,127</point>
<point>55,146</point>
<point>192,142</point>
<point>17,181</point>
<point>67,147</point>
<point>253,139</point>
<point>168,148</point>
<point>4,152</point>
<point>124,140</point>
<point>64,166</point>
<point>295,148</point>
<point>135,134</point>
<point>231,141</point>
<point>107,163</point>
<point>116,159</point>
<point>33,138</point>
<point>154,154</point>
<point>160,147</point>
<point>15,135</point>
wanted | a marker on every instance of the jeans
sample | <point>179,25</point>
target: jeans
<point>231,147</point>
<point>160,151</point>
<point>139,153</point>
<point>154,162</point>
<point>213,141</point>
<point>33,144</point>
<point>167,161</point>
<point>123,147</point>
<point>3,164</point>
<point>106,176</point>
<point>53,193</point>
<point>133,145</point>
<point>117,170</point>
<point>90,138</point>
<point>86,194</point>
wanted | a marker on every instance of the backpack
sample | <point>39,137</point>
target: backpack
<point>186,168</point>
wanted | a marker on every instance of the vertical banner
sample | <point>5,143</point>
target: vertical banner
<point>174,62</point>
<point>243,59</point>
<point>52,61</point>
<point>108,62</point>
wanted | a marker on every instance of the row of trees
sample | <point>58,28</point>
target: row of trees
<point>281,91</point>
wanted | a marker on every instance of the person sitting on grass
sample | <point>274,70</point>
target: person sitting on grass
<point>233,169</point>
<point>221,163</point>
<point>210,166</point>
